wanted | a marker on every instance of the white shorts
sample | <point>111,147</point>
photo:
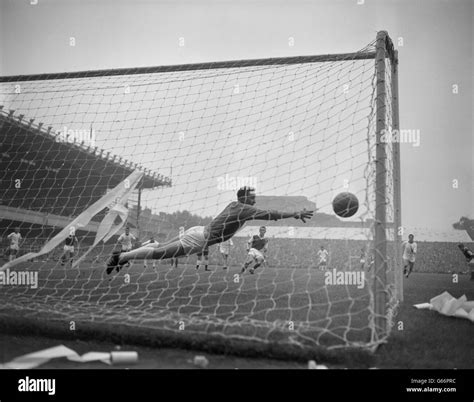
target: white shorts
<point>256,254</point>
<point>69,248</point>
<point>126,249</point>
<point>14,247</point>
<point>193,240</point>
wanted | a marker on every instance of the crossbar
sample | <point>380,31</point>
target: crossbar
<point>195,66</point>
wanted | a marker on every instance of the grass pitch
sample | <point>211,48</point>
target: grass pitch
<point>250,317</point>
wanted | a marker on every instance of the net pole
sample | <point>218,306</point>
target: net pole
<point>396,181</point>
<point>380,279</point>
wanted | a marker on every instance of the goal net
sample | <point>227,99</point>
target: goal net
<point>164,149</point>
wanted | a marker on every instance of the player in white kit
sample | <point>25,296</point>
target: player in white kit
<point>323,256</point>
<point>68,249</point>
<point>126,241</point>
<point>152,243</point>
<point>224,249</point>
<point>409,255</point>
<point>14,246</point>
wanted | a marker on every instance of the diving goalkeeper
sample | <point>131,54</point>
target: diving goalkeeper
<point>198,239</point>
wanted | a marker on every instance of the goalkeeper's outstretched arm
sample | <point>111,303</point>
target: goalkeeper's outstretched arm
<point>276,215</point>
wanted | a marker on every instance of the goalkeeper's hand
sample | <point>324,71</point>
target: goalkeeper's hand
<point>304,215</point>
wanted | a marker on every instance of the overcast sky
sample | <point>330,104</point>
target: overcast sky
<point>435,43</point>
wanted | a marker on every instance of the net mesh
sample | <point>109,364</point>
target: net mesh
<point>299,133</point>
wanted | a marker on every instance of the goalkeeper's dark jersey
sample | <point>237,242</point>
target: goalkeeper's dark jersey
<point>233,217</point>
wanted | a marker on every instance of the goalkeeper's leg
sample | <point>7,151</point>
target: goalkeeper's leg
<point>192,242</point>
<point>119,259</point>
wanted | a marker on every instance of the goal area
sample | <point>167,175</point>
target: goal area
<point>162,149</point>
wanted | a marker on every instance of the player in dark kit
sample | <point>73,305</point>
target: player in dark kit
<point>256,248</point>
<point>196,239</point>
<point>68,253</point>
<point>151,241</point>
<point>469,258</point>
<point>203,257</point>
<point>467,225</point>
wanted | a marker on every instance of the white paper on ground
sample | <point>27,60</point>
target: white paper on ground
<point>36,359</point>
<point>439,301</point>
<point>91,357</point>
<point>448,305</point>
<point>423,306</point>
<point>123,357</point>
<point>471,315</point>
<point>469,305</point>
<point>461,313</point>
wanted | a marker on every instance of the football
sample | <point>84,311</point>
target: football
<point>345,204</point>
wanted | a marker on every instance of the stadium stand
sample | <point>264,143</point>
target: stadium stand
<point>29,183</point>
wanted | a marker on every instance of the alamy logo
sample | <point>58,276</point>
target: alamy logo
<point>406,136</point>
<point>28,384</point>
<point>235,182</point>
<point>336,277</point>
<point>70,135</point>
<point>19,278</point>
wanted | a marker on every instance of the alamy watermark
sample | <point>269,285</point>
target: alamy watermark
<point>28,384</point>
<point>405,136</point>
<point>70,135</point>
<point>19,278</point>
<point>233,183</point>
<point>335,277</point>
